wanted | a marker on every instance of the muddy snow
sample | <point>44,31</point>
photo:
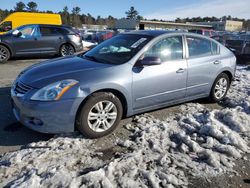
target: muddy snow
<point>197,141</point>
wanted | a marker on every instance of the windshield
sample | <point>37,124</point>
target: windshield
<point>6,26</point>
<point>118,49</point>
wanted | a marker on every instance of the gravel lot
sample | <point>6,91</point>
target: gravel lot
<point>14,136</point>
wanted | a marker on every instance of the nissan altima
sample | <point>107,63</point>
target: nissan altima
<point>128,74</point>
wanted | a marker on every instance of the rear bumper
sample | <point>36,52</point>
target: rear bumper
<point>46,117</point>
<point>79,48</point>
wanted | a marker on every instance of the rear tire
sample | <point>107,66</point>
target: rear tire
<point>67,49</point>
<point>4,54</point>
<point>220,88</point>
<point>100,115</point>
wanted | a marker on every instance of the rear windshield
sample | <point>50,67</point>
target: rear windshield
<point>195,31</point>
<point>244,37</point>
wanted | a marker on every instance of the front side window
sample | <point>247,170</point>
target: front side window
<point>28,31</point>
<point>198,47</point>
<point>167,49</point>
<point>119,49</point>
<point>6,26</point>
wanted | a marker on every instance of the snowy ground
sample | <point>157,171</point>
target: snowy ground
<point>198,142</point>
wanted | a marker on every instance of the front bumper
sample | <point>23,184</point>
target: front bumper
<point>47,117</point>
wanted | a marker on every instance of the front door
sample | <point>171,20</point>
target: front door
<point>164,83</point>
<point>26,43</point>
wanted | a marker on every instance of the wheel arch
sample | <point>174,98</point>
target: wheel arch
<point>8,47</point>
<point>116,92</point>
<point>229,74</point>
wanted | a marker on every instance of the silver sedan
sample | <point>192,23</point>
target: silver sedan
<point>128,74</point>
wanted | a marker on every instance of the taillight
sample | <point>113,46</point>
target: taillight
<point>78,36</point>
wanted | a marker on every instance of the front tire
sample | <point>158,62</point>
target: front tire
<point>220,88</point>
<point>4,54</point>
<point>100,115</point>
<point>67,49</point>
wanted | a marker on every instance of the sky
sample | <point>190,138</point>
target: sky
<point>150,9</point>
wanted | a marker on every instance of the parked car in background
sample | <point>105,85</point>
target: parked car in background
<point>205,32</point>
<point>38,39</point>
<point>223,37</point>
<point>128,74</point>
<point>240,45</point>
<point>93,36</point>
<point>88,39</point>
<point>18,19</point>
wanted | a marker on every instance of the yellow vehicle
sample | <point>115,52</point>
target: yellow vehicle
<point>17,19</point>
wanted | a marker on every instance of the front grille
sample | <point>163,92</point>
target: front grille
<point>21,88</point>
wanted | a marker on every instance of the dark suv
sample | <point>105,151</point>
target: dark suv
<point>37,39</point>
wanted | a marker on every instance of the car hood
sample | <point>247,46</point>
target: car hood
<point>5,35</point>
<point>38,75</point>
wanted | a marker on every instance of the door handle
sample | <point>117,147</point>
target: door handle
<point>180,70</point>
<point>217,62</point>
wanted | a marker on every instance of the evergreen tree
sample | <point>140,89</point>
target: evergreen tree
<point>20,6</point>
<point>132,13</point>
<point>32,6</point>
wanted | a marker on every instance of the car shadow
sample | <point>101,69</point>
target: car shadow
<point>12,133</point>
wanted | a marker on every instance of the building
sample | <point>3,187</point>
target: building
<point>128,24</point>
<point>228,25</point>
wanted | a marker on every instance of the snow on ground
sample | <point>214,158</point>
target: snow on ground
<point>195,141</point>
<point>53,163</point>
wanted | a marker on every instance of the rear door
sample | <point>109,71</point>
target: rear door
<point>203,65</point>
<point>50,39</point>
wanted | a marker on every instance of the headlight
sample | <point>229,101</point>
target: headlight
<point>53,91</point>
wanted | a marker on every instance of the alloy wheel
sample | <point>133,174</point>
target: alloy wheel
<point>67,50</point>
<point>102,116</point>
<point>220,88</point>
<point>3,54</point>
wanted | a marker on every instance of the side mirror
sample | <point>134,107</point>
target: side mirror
<point>150,60</point>
<point>17,33</point>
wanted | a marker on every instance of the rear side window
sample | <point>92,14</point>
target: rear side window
<point>207,33</point>
<point>199,32</point>
<point>215,48</point>
<point>63,31</point>
<point>167,49</point>
<point>46,31</point>
<point>198,47</point>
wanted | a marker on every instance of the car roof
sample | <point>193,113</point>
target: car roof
<point>50,25</point>
<point>153,33</point>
